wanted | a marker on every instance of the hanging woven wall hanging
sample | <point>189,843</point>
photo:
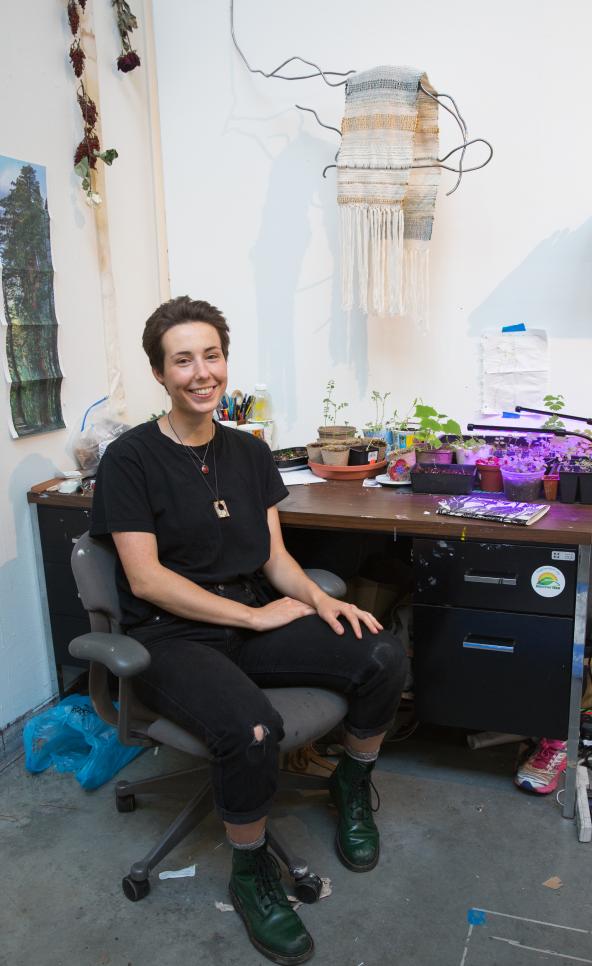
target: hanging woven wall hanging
<point>386,191</point>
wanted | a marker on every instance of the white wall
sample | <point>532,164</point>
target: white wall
<point>40,122</point>
<point>253,226</point>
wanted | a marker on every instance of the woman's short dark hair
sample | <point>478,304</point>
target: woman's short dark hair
<point>175,312</point>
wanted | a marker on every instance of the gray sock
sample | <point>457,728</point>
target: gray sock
<point>363,756</point>
<point>247,846</point>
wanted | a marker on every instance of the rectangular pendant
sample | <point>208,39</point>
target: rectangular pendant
<point>221,509</point>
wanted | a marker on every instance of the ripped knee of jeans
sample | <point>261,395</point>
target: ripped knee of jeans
<point>260,733</point>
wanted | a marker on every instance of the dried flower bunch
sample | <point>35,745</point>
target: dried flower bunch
<point>89,149</point>
<point>126,22</point>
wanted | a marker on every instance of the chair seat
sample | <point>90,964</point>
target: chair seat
<point>307,713</point>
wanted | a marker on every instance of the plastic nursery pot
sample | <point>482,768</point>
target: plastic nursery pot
<point>434,455</point>
<point>551,486</point>
<point>335,455</point>
<point>470,456</point>
<point>314,452</point>
<point>330,433</point>
<point>568,486</point>
<point>491,478</point>
<point>585,481</point>
<point>442,479</point>
<point>361,455</point>
<point>522,487</point>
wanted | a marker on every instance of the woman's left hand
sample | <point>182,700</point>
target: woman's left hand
<point>330,610</point>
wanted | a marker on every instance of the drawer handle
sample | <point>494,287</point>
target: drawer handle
<point>483,643</point>
<point>498,579</point>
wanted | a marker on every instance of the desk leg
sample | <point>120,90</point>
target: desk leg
<point>577,673</point>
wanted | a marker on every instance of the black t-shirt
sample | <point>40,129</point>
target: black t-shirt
<point>148,483</point>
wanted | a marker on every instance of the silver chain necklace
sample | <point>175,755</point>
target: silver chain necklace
<point>220,508</point>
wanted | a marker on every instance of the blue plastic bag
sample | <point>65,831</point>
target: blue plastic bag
<point>72,737</point>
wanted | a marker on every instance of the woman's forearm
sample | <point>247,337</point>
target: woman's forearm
<point>180,596</point>
<point>288,577</point>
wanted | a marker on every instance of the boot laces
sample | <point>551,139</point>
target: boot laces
<point>268,879</point>
<point>360,797</point>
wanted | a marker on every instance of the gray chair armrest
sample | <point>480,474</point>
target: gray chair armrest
<point>330,583</point>
<point>122,655</point>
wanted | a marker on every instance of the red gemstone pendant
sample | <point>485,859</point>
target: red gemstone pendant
<point>205,469</point>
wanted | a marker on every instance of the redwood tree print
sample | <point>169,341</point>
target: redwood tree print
<point>28,300</point>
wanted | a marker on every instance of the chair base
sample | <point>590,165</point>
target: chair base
<point>136,885</point>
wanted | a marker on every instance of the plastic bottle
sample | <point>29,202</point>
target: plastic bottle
<point>261,404</point>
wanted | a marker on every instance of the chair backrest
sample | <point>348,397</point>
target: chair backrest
<point>93,565</point>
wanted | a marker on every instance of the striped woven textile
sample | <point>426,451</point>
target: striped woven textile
<point>386,204</point>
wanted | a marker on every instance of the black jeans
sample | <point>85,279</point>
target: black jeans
<point>208,680</point>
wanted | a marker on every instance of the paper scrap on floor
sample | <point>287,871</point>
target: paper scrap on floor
<point>294,477</point>
<point>177,873</point>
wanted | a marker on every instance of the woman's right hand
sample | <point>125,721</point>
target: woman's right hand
<point>279,613</point>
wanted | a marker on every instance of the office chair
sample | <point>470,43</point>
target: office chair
<point>308,713</point>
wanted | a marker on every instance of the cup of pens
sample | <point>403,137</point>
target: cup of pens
<point>235,409</point>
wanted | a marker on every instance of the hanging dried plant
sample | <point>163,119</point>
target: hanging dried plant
<point>73,16</point>
<point>88,151</point>
<point>126,22</point>
<point>77,56</point>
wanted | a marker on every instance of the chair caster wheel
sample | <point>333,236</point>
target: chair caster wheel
<point>125,803</point>
<point>308,888</point>
<point>133,890</point>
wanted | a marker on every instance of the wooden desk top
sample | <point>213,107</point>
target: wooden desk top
<point>340,505</point>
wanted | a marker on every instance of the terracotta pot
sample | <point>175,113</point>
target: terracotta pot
<point>334,455</point>
<point>336,432</point>
<point>551,486</point>
<point>434,455</point>
<point>491,478</point>
<point>314,452</point>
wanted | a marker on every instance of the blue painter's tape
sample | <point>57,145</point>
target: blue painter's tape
<point>476,917</point>
<point>510,415</point>
<point>520,327</point>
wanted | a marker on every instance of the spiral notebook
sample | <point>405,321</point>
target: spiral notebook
<point>490,508</point>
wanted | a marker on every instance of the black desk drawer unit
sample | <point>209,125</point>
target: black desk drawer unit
<point>59,529</point>
<point>493,633</point>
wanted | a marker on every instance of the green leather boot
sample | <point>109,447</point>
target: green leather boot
<point>259,898</point>
<point>357,839</point>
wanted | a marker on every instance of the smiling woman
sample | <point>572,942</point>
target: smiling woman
<point>207,585</point>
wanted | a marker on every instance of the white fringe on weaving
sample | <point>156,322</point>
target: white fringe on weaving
<point>372,244</point>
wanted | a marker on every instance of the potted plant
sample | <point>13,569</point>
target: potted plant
<point>468,449</point>
<point>335,454</point>
<point>522,476</point>
<point>363,451</point>
<point>432,425</point>
<point>330,429</point>
<point>555,404</point>
<point>314,451</point>
<point>379,427</point>
<point>490,474</point>
<point>585,479</point>
<point>551,486</point>
<point>568,479</point>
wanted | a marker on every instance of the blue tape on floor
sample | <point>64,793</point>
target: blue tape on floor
<point>476,917</point>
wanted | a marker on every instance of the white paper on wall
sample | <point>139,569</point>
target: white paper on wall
<point>515,369</point>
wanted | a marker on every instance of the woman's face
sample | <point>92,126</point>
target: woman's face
<point>194,368</point>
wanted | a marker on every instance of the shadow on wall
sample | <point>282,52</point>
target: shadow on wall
<point>552,288</point>
<point>19,598</point>
<point>295,182</point>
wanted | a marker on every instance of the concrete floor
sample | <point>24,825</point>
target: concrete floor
<point>456,836</point>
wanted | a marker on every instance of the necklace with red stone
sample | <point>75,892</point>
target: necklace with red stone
<point>220,508</point>
<point>203,465</point>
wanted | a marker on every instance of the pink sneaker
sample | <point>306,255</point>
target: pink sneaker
<point>541,770</point>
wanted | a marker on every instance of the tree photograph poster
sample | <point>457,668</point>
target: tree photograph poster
<point>27,309</point>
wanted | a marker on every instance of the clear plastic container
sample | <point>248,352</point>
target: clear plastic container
<point>261,412</point>
<point>522,487</point>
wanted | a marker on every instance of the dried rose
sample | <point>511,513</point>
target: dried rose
<point>77,57</point>
<point>89,109</point>
<point>86,149</point>
<point>127,62</point>
<point>73,16</point>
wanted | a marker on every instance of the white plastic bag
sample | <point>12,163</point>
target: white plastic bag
<point>98,428</point>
